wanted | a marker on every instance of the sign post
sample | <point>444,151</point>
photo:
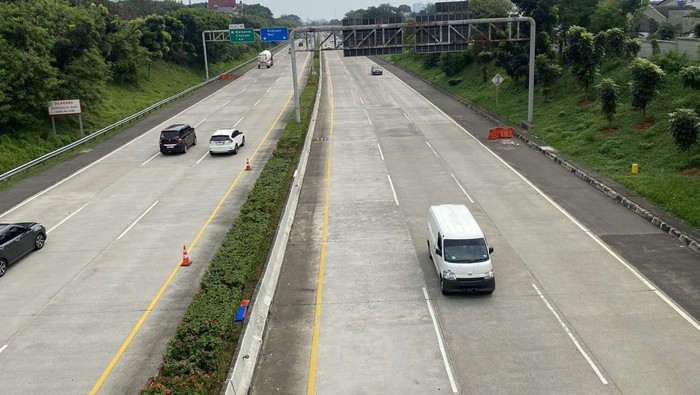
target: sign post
<point>497,79</point>
<point>65,107</point>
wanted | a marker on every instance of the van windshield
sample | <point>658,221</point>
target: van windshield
<point>466,251</point>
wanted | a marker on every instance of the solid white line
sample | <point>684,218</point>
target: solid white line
<point>460,187</point>
<point>150,159</point>
<point>199,123</point>
<point>380,152</point>
<point>3,348</point>
<point>440,342</point>
<point>392,190</point>
<point>431,148</point>
<point>256,103</point>
<point>137,220</point>
<point>634,271</point>
<point>66,219</point>
<point>239,121</point>
<point>202,158</point>
<point>571,336</point>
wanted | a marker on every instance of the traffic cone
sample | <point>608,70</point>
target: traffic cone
<point>247,165</point>
<point>185,259</point>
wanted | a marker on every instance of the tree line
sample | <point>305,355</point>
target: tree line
<point>57,49</point>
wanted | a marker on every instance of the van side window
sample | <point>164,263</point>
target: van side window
<point>438,247</point>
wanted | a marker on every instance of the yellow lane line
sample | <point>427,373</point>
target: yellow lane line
<point>155,300</point>
<point>310,390</point>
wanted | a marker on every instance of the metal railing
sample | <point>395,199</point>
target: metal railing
<point>98,133</point>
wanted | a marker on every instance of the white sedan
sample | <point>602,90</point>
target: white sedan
<point>226,141</point>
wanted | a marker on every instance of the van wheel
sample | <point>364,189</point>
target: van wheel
<point>235,149</point>
<point>442,286</point>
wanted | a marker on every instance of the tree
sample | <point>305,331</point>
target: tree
<point>489,8</point>
<point>484,59</point>
<point>606,16</point>
<point>546,16</point>
<point>611,43</point>
<point>696,29</point>
<point>690,76</point>
<point>607,91</point>
<point>646,77</point>
<point>666,31</point>
<point>582,57</point>
<point>684,126</point>
<point>634,7</point>
<point>513,58</point>
<point>547,71</point>
<point>295,19</point>
<point>577,13</point>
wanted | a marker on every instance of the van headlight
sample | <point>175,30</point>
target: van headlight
<point>488,275</point>
<point>448,275</point>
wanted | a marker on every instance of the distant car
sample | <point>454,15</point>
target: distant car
<point>327,46</point>
<point>177,138</point>
<point>226,141</point>
<point>289,50</point>
<point>376,70</point>
<point>19,239</point>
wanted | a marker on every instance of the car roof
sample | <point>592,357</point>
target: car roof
<point>224,132</point>
<point>175,127</point>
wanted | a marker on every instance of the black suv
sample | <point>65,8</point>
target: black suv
<point>177,138</point>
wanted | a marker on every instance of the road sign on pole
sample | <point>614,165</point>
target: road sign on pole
<point>274,34</point>
<point>242,35</point>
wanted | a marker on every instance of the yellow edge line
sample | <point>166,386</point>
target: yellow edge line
<point>322,260</point>
<point>155,300</point>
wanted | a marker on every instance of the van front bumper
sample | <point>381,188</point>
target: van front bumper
<point>476,284</point>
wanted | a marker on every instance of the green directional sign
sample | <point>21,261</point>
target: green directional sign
<point>242,35</point>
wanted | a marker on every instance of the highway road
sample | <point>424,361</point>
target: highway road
<point>93,310</point>
<point>582,285</point>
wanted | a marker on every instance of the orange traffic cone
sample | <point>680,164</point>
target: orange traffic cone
<point>247,165</point>
<point>185,259</point>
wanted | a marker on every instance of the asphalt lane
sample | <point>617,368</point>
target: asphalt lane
<point>568,315</point>
<point>118,216</point>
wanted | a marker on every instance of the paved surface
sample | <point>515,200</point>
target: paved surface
<point>570,314</point>
<point>118,216</point>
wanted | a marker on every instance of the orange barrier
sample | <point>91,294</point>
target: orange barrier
<point>226,76</point>
<point>500,132</point>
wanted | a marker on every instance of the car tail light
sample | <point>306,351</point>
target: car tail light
<point>230,140</point>
<point>179,141</point>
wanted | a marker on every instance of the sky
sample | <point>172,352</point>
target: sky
<point>320,9</point>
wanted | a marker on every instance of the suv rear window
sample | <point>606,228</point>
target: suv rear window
<point>167,134</point>
<point>219,137</point>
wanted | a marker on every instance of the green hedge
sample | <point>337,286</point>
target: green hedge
<point>198,356</point>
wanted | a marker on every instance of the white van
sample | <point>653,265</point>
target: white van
<point>458,249</point>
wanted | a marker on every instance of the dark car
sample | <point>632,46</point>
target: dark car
<point>177,138</point>
<point>17,240</point>
<point>377,70</point>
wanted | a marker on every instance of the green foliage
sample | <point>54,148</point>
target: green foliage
<point>607,15</point>
<point>581,56</point>
<point>696,28</point>
<point>684,126</point>
<point>452,63</point>
<point>489,8</point>
<point>198,355</point>
<point>690,76</point>
<point>670,61</point>
<point>646,77</point>
<point>430,60</point>
<point>666,31</point>
<point>513,58</point>
<point>484,59</point>
<point>607,96</point>
<point>611,43</point>
<point>547,71</point>
<point>384,10</point>
<point>632,47</point>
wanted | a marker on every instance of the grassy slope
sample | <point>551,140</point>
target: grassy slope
<point>119,101</point>
<point>577,130</point>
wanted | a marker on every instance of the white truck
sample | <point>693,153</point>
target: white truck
<point>265,59</point>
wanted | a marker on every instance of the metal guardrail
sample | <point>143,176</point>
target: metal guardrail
<point>98,133</point>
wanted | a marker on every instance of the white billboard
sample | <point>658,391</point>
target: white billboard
<point>64,107</point>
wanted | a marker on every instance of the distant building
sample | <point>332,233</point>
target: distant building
<point>225,6</point>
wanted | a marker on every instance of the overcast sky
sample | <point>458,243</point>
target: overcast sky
<point>319,9</point>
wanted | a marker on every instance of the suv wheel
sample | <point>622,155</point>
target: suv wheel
<point>3,267</point>
<point>235,149</point>
<point>194,142</point>
<point>243,141</point>
<point>184,147</point>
